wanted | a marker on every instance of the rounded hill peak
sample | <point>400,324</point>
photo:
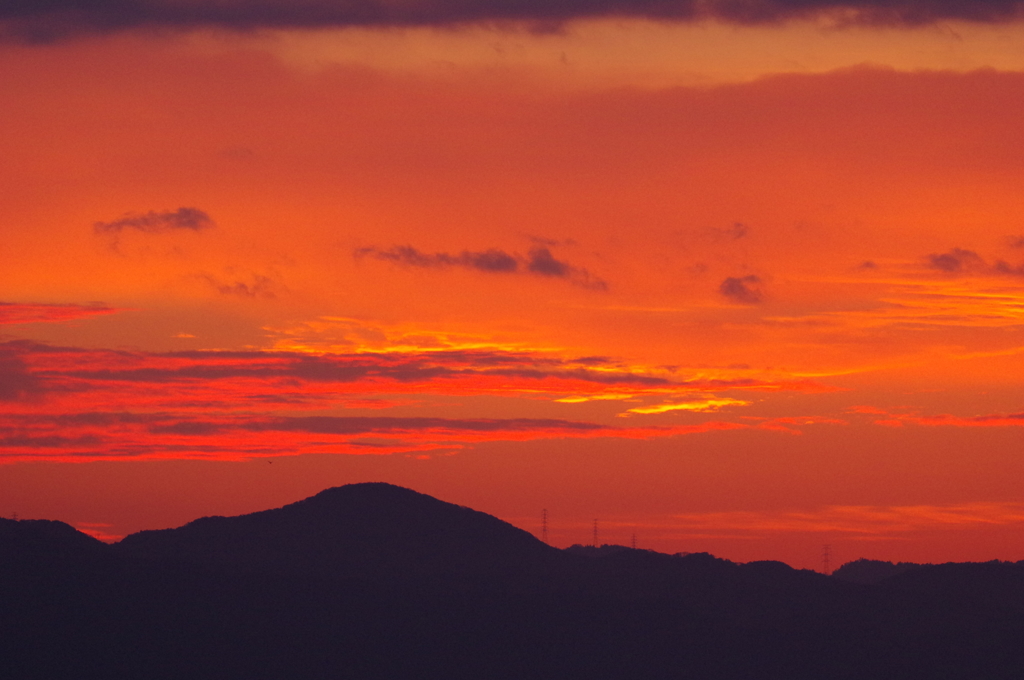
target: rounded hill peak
<point>357,530</point>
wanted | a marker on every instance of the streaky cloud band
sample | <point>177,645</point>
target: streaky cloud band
<point>40,22</point>
<point>539,262</point>
<point>154,222</point>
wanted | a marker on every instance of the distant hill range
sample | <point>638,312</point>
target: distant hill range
<point>372,581</point>
<point>872,571</point>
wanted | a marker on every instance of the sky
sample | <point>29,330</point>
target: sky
<point>743,277</point>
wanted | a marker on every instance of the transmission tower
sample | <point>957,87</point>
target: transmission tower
<point>826,560</point>
<point>633,544</point>
<point>544,526</point>
<point>595,534</point>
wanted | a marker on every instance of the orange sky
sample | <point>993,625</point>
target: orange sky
<point>743,288</point>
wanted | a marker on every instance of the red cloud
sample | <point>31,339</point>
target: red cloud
<point>85,404</point>
<point>105,379</point>
<point>945,419</point>
<point>63,19</point>
<point>14,312</point>
<point>96,436</point>
<point>993,420</point>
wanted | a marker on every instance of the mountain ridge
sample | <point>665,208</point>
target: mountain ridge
<point>358,530</point>
<point>377,582</point>
<point>377,514</point>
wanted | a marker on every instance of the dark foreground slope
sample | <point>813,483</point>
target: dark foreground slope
<point>375,581</point>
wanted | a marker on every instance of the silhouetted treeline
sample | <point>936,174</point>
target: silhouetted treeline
<point>372,581</point>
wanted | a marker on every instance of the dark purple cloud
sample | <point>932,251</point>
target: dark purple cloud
<point>258,286</point>
<point>27,367</point>
<point>49,20</point>
<point>347,368</point>
<point>734,231</point>
<point>491,260</point>
<point>539,262</point>
<point>49,442</point>
<point>543,262</point>
<point>745,289</point>
<point>92,404</point>
<point>1003,267</point>
<point>100,392</point>
<point>342,425</point>
<point>153,222</point>
<point>967,262</point>
<point>16,382</point>
<point>956,261</point>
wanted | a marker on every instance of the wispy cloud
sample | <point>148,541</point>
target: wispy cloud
<point>912,303</point>
<point>949,420</point>
<point>491,260</point>
<point>539,262</point>
<point>153,222</point>
<point>699,406</point>
<point>34,21</point>
<point>956,261</point>
<point>21,312</point>
<point>963,262</point>
<point>16,380</point>
<point>888,418</point>
<point>853,521</point>
<point>238,436</point>
<point>66,403</point>
<point>742,289</point>
<point>255,286</point>
<point>239,377</point>
<point>733,232</point>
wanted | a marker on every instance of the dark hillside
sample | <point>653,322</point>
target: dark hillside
<point>374,531</point>
<point>871,571</point>
<point>372,581</point>
<point>44,540</point>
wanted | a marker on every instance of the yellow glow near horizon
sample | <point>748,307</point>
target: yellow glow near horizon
<point>702,406</point>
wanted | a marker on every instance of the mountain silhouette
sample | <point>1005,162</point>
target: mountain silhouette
<point>377,582</point>
<point>45,540</point>
<point>872,571</point>
<point>374,530</point>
